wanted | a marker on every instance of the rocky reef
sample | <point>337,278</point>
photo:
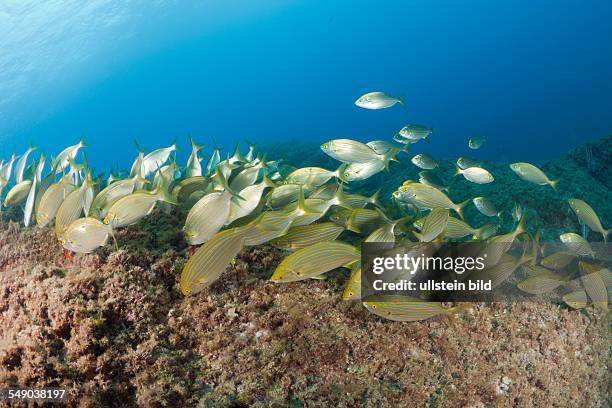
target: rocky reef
<point>113,329</point>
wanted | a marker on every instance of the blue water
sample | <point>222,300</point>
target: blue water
<point>534,77</point>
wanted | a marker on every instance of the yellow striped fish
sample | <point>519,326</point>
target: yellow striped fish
<point>111,193</point>
<point>17,194</point>
<point>557,260</point>
<point>576,244</point>
<point>285,194</point>
<point>266,227</point>
<point>325,192</point>
<point>594,284</point>
<point>424,196</point>
<point>434,225</point>
<point>406,308</point>
<point>51,200</point>
<point>131,209</point>
<point>315,260</point>
<point>306,235</point>
<point>85,235</point>
<point>540,284</point>
<point>385,233</point>
<point>70,211</point>
<point>186,187</point>
<point>606,275</point>
<point>498,273</point>
<point>500,244</point>
<point>210,261</point>
<point>588,216</point>
<point>299,213</point>
<point>352,290</point>
<point>207,217</point>
<point>350,151</point>
<point>359,201</point>
<point>311,176</point>
<point>456,228</point>
<point>576,300</point>
<point>364,220</point>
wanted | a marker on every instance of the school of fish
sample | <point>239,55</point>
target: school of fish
<point>245,200</point>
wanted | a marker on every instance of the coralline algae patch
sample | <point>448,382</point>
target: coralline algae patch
<point>114,330</point>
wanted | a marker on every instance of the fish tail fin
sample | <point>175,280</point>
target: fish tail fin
<point>478,232</point>
<point>138,147</point>
<point>216,147</point>
<point>351,227</point>
<point>553,184</point>
<point>393,154</point>
<point>220,178</point>
<point>195,146</point>
<point>387,157</point>
<point>301,205</point>
<point>606,233</point>
<point>341,197</point>
<point>82,141</point>
<point>138,178</point>
<point>452,312</point>
<point>520,228</point>
<point>267,182</point>
<point>401,100</point>
<point>301,200</point>
<point>163,192</point>
<point>374,199</point>
<point>263,161</point>
<point>457,170</point>
<point>459,208</point>
<point>237,155</point>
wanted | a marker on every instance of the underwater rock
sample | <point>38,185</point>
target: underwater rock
<point>113,329</point>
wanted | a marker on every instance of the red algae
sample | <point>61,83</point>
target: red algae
<point>113,329</point>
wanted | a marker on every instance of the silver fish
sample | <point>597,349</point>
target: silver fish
<point>361,171</point>
<point>485,206</point>
<point>531,173</point>
<point>476,175</point>
<point>350,151</point>
<point>21,164</point>
<point>194,167</point>
<point>378,100</point>
<point>413,133</point>
<point>476,142</point>
<point>424,161</point>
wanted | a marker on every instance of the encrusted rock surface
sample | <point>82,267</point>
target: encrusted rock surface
<point>113,329</point>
